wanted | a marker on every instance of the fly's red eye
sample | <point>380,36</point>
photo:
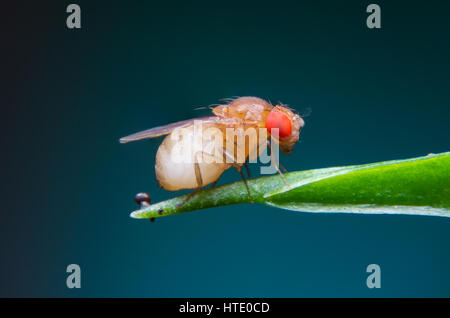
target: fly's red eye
<point>281,121</point>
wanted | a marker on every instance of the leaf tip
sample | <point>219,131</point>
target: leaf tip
<point>136,214</point>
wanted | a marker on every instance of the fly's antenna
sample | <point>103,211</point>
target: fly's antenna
<point>306,113</point>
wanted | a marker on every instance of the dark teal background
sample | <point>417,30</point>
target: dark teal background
<point>68,185</point>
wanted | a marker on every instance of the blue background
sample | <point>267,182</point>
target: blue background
<point>68,185</point>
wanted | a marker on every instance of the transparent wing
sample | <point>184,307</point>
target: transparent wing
<point>167,129</point>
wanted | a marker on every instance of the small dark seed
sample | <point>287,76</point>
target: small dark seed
<point>152,219</point>
<point>142,199</point>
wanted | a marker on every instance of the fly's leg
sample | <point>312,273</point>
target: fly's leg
<point>275,165</point>
<point>239,169</point>
<point>230,158</point>
<point>189,196</point>
<point>214,184</point>
<point>247,169</point>
<point>198,176</point>
<point>282,176</point>
<point>282,168</point>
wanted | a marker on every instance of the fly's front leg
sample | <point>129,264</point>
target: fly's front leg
<point>279,163</point>
<point>276,164</point>
<point>282,168</point>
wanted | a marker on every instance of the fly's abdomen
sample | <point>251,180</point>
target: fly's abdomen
<point>177,156</point>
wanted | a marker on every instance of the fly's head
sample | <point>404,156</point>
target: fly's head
<point>289,125</point>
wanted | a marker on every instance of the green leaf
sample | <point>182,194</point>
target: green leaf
<point>419,186</point>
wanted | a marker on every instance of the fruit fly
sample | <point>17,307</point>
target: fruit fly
<point>238,114</point>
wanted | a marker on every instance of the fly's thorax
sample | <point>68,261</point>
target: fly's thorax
<point>248,108</point>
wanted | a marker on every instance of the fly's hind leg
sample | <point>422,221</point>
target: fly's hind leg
<point>189,196</point>
<point>198,177</point>
<point>214,184</point>
<point>247,169</point>
<point>198,174</point>
<point>239,169</point>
